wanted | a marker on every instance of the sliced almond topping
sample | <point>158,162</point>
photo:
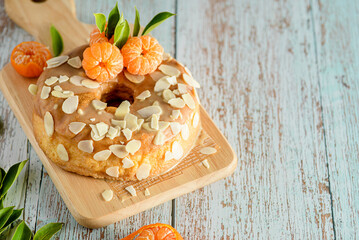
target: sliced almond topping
<point>175,114</point>
<point>156,103</point>
<point>162,84</point>
<point>168,156</point>
<point>177,150</point>
<point>99,105</point>
<point>56,61</point>
<point>133,146</point>
<point>167,95</point>
<point>113,171</point>
<point>123,109</point>
<point>143,171</point>
<point>76,80</point>
<point>134,78</point>
<point>169,70</point>
<point>172,80</point>
<point>76,127</point>
<point>176,92</point>
<point>154,122</point>
<point>107,195</point>
<point>119,150</point>
<point>127,133</point>
<point>208,150</point>
<point>190,81</point>
<point>112,132</point>
<point>127,163</point>
<point>80,111</point>
<point>149,111</point>
<point>195,120</point>
<point>90,84</point>
<point>147,126</point>
<point>33,89</point>
<point>75,62</point>
<point>139,123</point>
<point>120,123</point>
<point>166,56</point>
<point>163,125</point>
<point>102,155</point>
<point>51,80</point>
<point>131,121</point>
<point>185,132</point>
<point>70,105</point>
<point>159,139</point>
<point>58,88</point>
<point>156,75</point>
<point>131,190</point>
<point>45,92</point>
<point>182,88</point>
<point>205,163</point>
<point>86,146</point>
<point>59,94</point>
<point>176,102</point>
<point>175,127</point>
<point>102,128</point>
<point>63,78</point>
<point>188,99</point>
<point>143,95</point>
<point>49,124</point>
<point>147,192</point>
<point>62,153</point>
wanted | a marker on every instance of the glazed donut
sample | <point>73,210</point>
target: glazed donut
<point>129,128</point>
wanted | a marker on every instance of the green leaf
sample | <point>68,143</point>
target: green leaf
<point>14,215</point>
<point>22,232</point>
<point>122,32</point>
<point>2,175</point>
<point>57,42</point>
<point>156,20</point>
<point>113,18</point>
<point>136,25</point>
<point>10,177</point>
<point>5,214</point>
<point>47,231</point>
<point>100,21</point>
<point>122,19</point>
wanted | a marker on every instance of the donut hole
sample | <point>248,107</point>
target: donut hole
<point>117,96</point>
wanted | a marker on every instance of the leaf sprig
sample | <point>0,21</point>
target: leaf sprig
<point>57,42</point>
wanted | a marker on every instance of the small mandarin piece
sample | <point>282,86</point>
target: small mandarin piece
<point>29,58</point>
<point>97,37</point>
<point>142,55</point>
<point>102,61</point>
<point>158,231</point>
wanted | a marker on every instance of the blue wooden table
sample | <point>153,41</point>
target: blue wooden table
<point>280,79</point>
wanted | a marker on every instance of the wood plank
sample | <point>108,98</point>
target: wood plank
<point>256,63</point>
<point>335,24</point>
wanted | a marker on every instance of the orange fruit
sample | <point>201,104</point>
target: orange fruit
<point>29,58</point>
<point>158,231</point>
<point>97,37</point>
<point>142,55</point>
<point>102,61</point>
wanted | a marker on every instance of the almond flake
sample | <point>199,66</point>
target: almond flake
<point>131,121</point>
<point>62,153</point>
<point>190,81</point>
<point>167,95</point>
<point>166,56</point>
<point>102,128</point>
<point>208,150</point>
<point>156,103</point>
<point>176,102</point>
<point>59,94</point>
<point>156,75</point>
<point>76,127</point>
<point>49,124</point>
<point>102,155</point>
<point>128,133</point>
<point>195,120</point>
<point>74,62</point>
<point>45,92</point>
<point>92,119</point>
<point>99,105</point>
<point>162,84</point>
<point>182,88</point>
<point>120,123</point>
<point>134,78</point>
<point>159,139</point>
<point>123,109</point>
<point>131,190</point>
<point>50,81</point>
<point>163,125</point>
<point>154,122</point>
<point>90,84</point>
<point>70,105</point>
<point>169,70</point>
<point>143,171</point>
<point>205,163</point>
<point>147,126</point>
<point>139,123</point>
<point>119,150</point>
<point>86,146</point>
<point>33,89</point>
<point>113,171</point>
<point>56,61</point>
<point>176,92</point>
<point>63,78</point>
<point>127,163</point>
<point>188,99</point>
<point>168,156</point>
<point>175,114</point>
<point>177,150</point>
<point>133,146</point>
<point>175,127</point>
<point>58,88</point>
<point>112,132</point>
<point>76,80</point>
<point>107,195</point>
<point>80,111</point>
<point>147,192</point>
<point>144,95</point>
<point>185,132</point>
<point>149,111</point>
<point>172,80</point>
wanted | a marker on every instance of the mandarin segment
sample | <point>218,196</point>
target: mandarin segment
<point>158,231</point>
<point>97,37</point>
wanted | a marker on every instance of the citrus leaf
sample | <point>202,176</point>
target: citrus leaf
<point>122,32</point>
<point>14,215</point>
<point>22,232</point>
<point>10,177</point>
<point>136,25</point>
<point>122,19</point>
<point>47,231</point>
<point>2,175</point>
<point>5,214</point>
<point>57,42</point>
<point>113,18</point>
<point>100,21</point>
<point>156,20</point>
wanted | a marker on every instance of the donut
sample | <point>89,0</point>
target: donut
<point>129,128</point>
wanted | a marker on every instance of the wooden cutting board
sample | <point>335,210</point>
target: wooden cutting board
<point>82,195</point>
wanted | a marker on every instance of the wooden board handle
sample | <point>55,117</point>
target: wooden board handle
<point>36,17</point>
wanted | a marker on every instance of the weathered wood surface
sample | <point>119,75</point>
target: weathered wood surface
<point>279,79</point>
